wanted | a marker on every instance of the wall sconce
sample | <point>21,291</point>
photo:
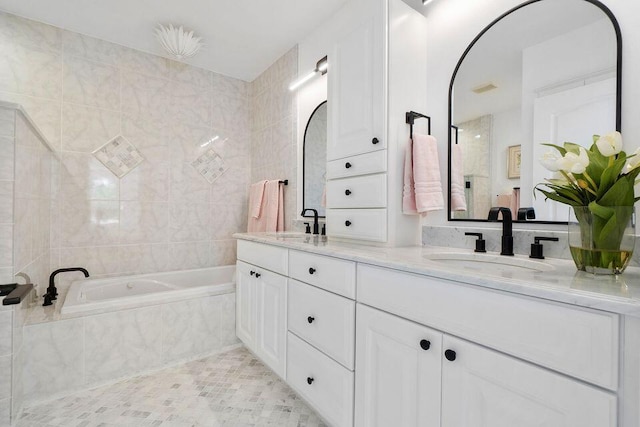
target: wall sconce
<point>425,2</point>
<point>321,68</point>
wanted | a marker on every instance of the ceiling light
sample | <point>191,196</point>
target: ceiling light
<point>177,41</point>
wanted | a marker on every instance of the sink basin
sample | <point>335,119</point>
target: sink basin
<point>489,263</point>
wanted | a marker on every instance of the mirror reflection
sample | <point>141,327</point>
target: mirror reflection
<point>315,160</point>
<point>547,72</point>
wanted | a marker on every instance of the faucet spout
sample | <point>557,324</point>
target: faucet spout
<point>316,228</point>
<point>507,228</point>
<point>52,291</point>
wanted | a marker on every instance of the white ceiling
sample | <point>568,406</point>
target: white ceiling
<point>242,37</point>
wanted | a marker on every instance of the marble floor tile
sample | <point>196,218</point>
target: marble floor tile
<point>228,389</point>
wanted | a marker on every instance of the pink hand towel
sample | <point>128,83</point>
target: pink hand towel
<point>408,190</point>
<point>426,174</point>
<point>458,199</point>
<point>256,194</point>
<point>504,201</point>
<point>272,213</point>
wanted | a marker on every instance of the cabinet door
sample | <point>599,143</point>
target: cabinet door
<point>245,304</point>
<point>271,335</point>
<point>398,377</point>
<point>356,87</point>
<point>484,388</point>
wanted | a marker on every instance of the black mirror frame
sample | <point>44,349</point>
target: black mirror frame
<point>616,27</point>
<point>304,159</point>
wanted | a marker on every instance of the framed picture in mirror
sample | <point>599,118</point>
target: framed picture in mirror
<point>514,161</point>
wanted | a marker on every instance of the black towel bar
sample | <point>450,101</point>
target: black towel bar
<point>285,182</point>
<point>410,118</point>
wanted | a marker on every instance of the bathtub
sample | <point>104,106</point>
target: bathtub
<point>116,293</point>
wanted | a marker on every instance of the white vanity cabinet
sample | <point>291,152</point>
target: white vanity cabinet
<point>261,301</point>
<point>368,98</point>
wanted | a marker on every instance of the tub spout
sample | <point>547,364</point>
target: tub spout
<point>52,291</point>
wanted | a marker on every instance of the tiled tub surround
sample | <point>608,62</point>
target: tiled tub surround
<point>163,215</point>
<point>68,354</point>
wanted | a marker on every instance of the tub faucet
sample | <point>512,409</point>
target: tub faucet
<point>507,228</point>
<point>52,291</point>
<point>315,220</point>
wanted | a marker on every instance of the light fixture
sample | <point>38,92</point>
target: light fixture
<point>321,68</point>
<point>426,2</point>
<point>177,41</point>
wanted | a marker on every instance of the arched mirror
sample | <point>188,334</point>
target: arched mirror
<point>546,71</point>
<point>315,160</point>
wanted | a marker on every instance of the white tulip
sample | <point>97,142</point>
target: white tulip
<point>633,162</point>
<point>550,160</point>
<point>574,163</point>
<point>610,144</point>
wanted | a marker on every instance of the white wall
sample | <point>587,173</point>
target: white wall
<point>452,24</point>
<point>505,132</point>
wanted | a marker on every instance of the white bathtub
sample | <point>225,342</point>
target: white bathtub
<point>116,293</point>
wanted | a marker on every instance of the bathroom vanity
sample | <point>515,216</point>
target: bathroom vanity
<point>427,336</point>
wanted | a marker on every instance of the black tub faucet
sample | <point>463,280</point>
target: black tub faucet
<point>316,229</point>
<point>507,228</point>
<point>52,291</point>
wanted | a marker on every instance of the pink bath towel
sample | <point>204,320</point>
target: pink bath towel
<point>272,213</point>
<point>426,174</point>
<point>408,190</point>
<point>458,199</point>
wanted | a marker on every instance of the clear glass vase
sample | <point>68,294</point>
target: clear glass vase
<point>604,243</point>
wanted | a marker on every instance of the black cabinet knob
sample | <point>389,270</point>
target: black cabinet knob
<point>312,270</point>
<point>309,380</point>
<point>374,141</point>
<point>347,223</point>
<point>258,274</point>
<point>310,319</point>
<point>252,273</point>
<point>347,192</point>
<point>450,355</point>
<point>347,165</point>
<point>425,344</point>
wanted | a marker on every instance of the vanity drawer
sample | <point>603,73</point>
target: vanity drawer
<point>269,257</point>
<point>578,342</point>
<point>361,224</point>
<point>333,274</point>
<point>331,386</point>
<point>368,191</point>
<point>363,164</point>
<point>324,320</point>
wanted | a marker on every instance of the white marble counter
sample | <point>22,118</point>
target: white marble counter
<point>618,294</point>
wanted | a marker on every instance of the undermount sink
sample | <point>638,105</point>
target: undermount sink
<point>489,263</point>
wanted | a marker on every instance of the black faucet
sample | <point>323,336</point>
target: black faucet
<point>507,228</point>
<point>52,291</point>
<point>315,220</point>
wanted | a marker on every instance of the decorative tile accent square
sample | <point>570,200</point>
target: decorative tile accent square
<point>119,156</point>
<point>232,389</point>
<point>210,165</point>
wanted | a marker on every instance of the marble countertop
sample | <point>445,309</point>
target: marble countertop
<point>617,294</point>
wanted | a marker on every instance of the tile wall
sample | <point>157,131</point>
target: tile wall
<point>274,128</point>
<point>163,215</point>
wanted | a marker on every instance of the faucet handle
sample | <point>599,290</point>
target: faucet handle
<point>480,242</point>
<point>537,248</point>
<point>308,228</point>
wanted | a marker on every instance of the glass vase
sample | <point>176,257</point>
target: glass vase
<point>604,243</point>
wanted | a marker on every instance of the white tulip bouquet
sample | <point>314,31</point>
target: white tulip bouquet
<point>599,184</point>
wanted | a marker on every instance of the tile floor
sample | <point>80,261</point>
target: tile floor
<point>228,389</point>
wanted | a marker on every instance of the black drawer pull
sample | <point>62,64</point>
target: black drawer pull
<point>309,380</point>
<point>347,223</point>
<point>252,272</point>
<point>312,270</point>
<point>310,319</point>
<point>374,141</point>
<point>425,344</point>
<point>258,274</point>
<point>347,192</point>
<point>450,355</point>
<point>347,165</point>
